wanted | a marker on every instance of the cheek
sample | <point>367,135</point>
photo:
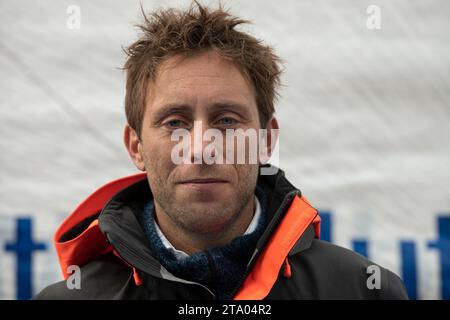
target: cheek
<point>157,157</point>
<point>247,176</point>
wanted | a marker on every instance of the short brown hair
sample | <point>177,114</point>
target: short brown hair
<point>171,31</point>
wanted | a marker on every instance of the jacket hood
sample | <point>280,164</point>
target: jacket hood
<point>79,240</point>
<point>109,221</point>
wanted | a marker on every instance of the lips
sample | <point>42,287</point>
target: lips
<point>203,181</point>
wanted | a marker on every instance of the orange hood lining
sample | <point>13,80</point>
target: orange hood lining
<point>265,272</point>
<point>91,243</point>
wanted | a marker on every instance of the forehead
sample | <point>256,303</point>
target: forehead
<point>199,79</point>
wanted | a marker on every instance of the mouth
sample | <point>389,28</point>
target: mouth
<point>203,181</point>
<point>203,187</point>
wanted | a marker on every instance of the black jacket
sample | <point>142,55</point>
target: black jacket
<point>104,236</point>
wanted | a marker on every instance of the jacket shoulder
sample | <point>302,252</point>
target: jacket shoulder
<point>328,271</point>
<point>104,278</point>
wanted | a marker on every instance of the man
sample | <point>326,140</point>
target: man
<point>197,230</point>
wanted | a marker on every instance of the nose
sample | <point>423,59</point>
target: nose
<point>199,144</point>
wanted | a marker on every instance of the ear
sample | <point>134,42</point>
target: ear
<point>133,145</point>
<point>271,138</point>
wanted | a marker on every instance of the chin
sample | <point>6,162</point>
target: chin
<point>206,219</point>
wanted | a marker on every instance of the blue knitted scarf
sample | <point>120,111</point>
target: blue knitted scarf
<point>219,269</point>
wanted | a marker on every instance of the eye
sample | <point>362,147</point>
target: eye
<point>227,121</point>
<point>174,124</point>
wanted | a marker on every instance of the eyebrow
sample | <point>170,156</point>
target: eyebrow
<point>230,106</point>
<point>172,108</point>
<point>181,108</point>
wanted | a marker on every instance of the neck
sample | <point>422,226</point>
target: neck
<point>191,243</point>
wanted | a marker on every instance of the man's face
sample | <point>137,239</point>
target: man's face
<point>200,198</point>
